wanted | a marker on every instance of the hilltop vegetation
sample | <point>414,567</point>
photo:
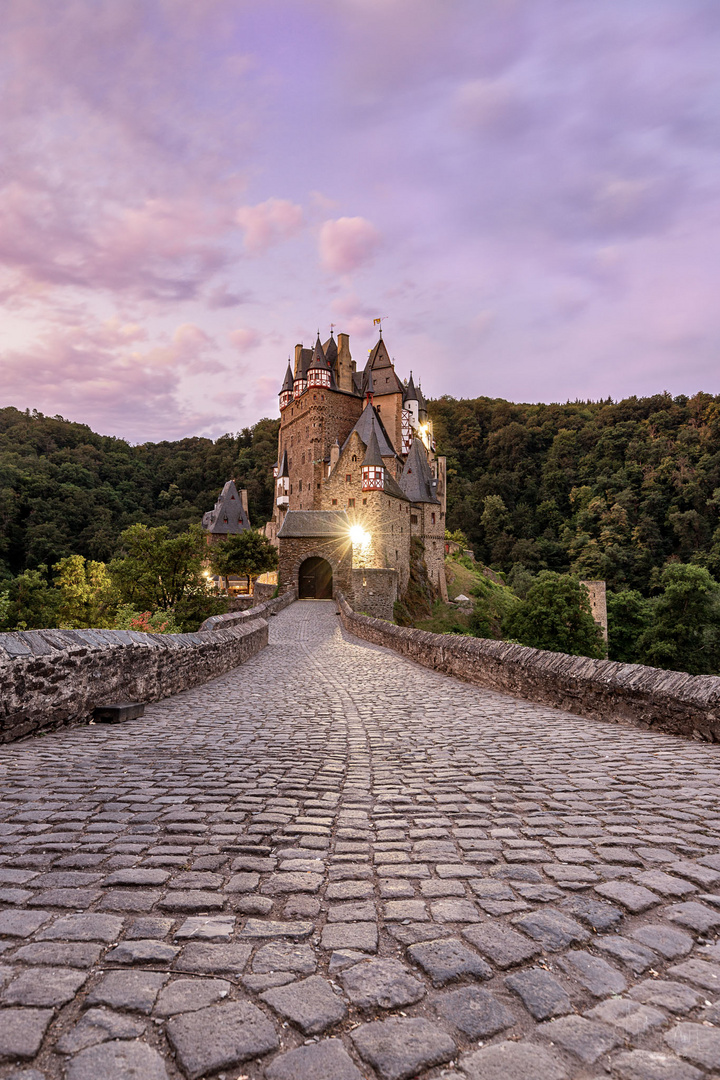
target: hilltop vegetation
<point>600,489</point>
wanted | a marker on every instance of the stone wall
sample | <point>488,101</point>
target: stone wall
<point>260,611</point>
<point>375,592</point>
<point>295,550</point>
<point>49,678</point>
<point>669,701</point>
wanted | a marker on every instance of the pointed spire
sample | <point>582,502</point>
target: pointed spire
<point>318,356</point>
<point>410,391</point>
<point>369,385</point>
<point>284,470</point>
<point>372,454</point>
<point>288,383</point>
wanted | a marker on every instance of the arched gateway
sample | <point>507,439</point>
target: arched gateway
<point>315,579</point>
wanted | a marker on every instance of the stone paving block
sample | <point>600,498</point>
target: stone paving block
<point>84,928</point>
<point>192,900</point>
<point>665,884</point>
<point>584,1038</point>
<point>693,915</point>
<point>385,984</point>
<point>652,1065</point>
<point>130,900</point>
<point>633,897</point>
<point>284,956</point>
<point>675,996</point>
<point>697,1043</point>
<point>595,974</point>
<point>220,1037</point>
<point>22,1031</point>
<point>142,952</point>
<point>132,990</point>
<point>699,972</point>
<point>206,928</point>
<point>310,1003</point>
<point>270,928</point>
<point>117,1061</point>
<point>326,1060</point>
<point>551,928</point>
<point>137,876</point>
<point>150,927</point>
<point>22,924</point>
<point>456,911</point>
<point>448,959</point>
<point>513,1061</point>
<point>503,946</point>
<point>665,940</point>
<point>361,911</point>
<point>348,890</point>
<point>474,1011</point>
<point>637,957</point>
<point>406,909</point>
<point>596,914</point>
<point>96,1026</point>
<point>291,883</point>
<point>360,935</point>
<point>189,995</point>
<point>59,954</point>
<point>202,958</point>
<point>629,1016</point>
<point>541,993</point>
<point>400,1048</point>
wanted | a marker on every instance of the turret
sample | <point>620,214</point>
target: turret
<point>318,372</point>
<point>282,484</point>
<point>373,469</point>
<point>286,393</point>
<point>410,399</point>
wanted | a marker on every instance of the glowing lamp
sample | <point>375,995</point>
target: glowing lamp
<point>358,535</point>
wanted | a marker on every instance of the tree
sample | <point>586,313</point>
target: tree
<point>684,634</point>
<point>33,603</point>
<point>629,615</point>
<point>247,554</point>
<point>555,615</point>
<point>163,572</point>
<point>87,596</point>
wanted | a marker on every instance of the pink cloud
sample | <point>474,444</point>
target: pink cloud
<point>245,338</point>
<point>348,243</point>
<point>268,223</point>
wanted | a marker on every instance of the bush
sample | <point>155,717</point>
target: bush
<point>556,616</point>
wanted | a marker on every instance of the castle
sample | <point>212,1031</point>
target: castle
<point>357,479</point>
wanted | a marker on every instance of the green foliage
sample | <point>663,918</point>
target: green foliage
<point>249,553</point>
<point>629,615</point>
<point>597,489</point>
<point>494,606</point>
<point>156,569</point>
<point>88,596</point>
<point>457,537</point>
<point>33,602</point>
<point>64,490</point>
<point>555,615</point>
<point>684,634</point>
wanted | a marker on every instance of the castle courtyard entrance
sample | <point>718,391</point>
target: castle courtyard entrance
<point>315,579</point>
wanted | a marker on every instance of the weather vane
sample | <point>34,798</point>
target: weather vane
<point>379,322</point>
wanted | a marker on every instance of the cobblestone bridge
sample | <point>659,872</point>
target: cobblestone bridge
<point>332,864</point>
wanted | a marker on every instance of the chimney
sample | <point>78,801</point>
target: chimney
<point>334,455</point>
<point>344,364</point>
<point>298,350</point>
<point>243,500</point>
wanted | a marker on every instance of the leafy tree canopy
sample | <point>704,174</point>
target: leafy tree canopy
<point>556,615</point>
<point>248,553</point>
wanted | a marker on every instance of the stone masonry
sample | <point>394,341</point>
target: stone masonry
<point>433,881</point>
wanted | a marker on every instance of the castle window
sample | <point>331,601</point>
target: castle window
<point>373,478</point>
<point>354,457</point>
<point>378,407</point>
<point>364,502</point>
<point>432,518</point>
<point>351,503</point>
<point>334,502</point>
<point>300,486</point>
<point>348,478</point>
<point>413,519</point>
<point>318,487</point>
<point>314,397</point>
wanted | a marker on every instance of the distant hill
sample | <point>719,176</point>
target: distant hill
<point>607,490</point>
<point>66,490</point>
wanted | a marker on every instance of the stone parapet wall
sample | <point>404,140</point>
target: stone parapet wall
<point>669,701</point>
<point>260,611</point>
<point>49,678</point>
<point>375,592</point>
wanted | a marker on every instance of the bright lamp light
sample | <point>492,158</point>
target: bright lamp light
<point>358,535</point>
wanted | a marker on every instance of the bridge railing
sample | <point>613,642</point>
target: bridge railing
<point>668,701</point>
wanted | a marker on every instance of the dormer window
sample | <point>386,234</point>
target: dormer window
<point>373,478</point>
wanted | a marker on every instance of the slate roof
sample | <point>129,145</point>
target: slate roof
<point>417,481</point>
<point>314,523</point>
<point>330,349</point>
<point>410,393</point>
<point>372,453</point>
<point>284,470</point>
<point>288,383</point>
<point>318,356</point>
<point>366,423</point>
<point>228,515</point>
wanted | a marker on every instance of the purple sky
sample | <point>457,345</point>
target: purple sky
<point>528,189</point>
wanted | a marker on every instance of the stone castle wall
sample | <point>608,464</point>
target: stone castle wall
<point>669,701</point>
<point>270,606</point>
<point>375,592</point>
<point>49,678</point>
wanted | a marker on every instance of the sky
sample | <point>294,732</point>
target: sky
<point>525,190</point>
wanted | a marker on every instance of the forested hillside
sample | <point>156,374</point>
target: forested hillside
<point>65,490</point>
<point>602,489</point>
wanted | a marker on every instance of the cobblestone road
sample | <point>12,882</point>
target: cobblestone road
<point>332,864</point>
